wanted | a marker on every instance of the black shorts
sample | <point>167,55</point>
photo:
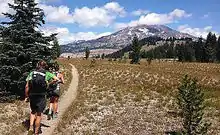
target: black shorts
<point>37,103</point>
<point>54,93</point>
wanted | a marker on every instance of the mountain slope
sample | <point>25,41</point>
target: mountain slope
<point>146,41</point>
<point>122,38</point>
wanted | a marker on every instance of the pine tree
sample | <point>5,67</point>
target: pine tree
<point>170,50</point>
<point>218,49</point>
<point>1,41</point>
<point>99,56</point>
<point>180,52</point>
<point>185,52</point>
<point>87,52</point>
<point>22,45</point>
<point>56,48</point>
<point>210,47</point>
<point>103,56</point>
<point>191,104</point>
<point>199,50</point>
<point>136,50</point>
<point>214,47</point>
<point>189,52</point>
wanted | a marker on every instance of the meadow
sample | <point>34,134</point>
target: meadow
<point>120,98</point>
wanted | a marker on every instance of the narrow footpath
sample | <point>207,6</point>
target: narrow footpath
<point>65,101</point>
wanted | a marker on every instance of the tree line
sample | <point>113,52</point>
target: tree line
<point>149,40</point>
<point>200,51</point>
<point>187,50</point>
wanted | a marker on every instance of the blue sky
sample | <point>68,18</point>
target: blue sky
<point>89,19</point>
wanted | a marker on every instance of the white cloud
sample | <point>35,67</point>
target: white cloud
<point>59,14</point>
<point>197,32</point>
<point>139,12</point>
<point>65,36</point>
<point>155,18</point>
<point>205,16</point>
<point>92,17</point>
<point>98,16</point>
<point>118,26</point>
<point>179,13</point>
<point>38,1</point>
<point>4,7</point>
<point>208,28</point>
<point>115,7</point>
<point>88,17</point>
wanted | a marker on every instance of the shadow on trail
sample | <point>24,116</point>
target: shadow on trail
<point>173,133</point>
<point>26,125</point>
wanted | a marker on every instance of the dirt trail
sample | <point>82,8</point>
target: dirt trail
<point>65,101</point>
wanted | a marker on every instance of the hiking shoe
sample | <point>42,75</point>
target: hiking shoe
<point>46,111</point>
<point>30,132</point>
<point>55,115</point>
<point>49,116</point>
<point>39,131</point>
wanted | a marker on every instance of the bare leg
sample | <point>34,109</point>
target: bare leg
<point>55,109</point>
<point>50,108</point>
<point>37,123</point>
<point>51,105</point>
<point>32,118</point>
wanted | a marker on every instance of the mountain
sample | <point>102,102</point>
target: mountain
<point>122,38</point>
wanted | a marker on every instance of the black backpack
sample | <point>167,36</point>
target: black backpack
<point>53,87</point>
<point>38,83</point>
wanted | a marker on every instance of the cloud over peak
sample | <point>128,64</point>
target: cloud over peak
<point>197,32</point>
<point>155,18</point>
<point>139,12</point>
<point>65,36</point>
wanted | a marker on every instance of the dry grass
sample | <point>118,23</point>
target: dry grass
<point>117,98</point>
<point>12,115</point>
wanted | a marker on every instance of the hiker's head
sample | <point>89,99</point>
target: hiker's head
<point>56,67</point>
<point>41,64</point>
<point>51,69</point>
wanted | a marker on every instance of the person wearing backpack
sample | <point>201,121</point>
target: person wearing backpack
<point>35,91</point>
<point>54,93</point>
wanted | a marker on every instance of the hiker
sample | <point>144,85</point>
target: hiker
<point>54,93</point>
<point>35,91</point>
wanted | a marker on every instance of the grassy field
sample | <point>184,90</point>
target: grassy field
<point>12,115</point>
<point>119,98</point>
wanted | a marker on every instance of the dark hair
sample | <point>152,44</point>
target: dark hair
<point>41,64</point>
<point>56,67</point>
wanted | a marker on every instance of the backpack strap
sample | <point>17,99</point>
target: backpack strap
<point>58,73</point>
<point>40,73</point>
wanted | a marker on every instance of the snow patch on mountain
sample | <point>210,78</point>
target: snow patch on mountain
<point>144,30</point>
<point>129,33</point>
<point>122,38</point>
